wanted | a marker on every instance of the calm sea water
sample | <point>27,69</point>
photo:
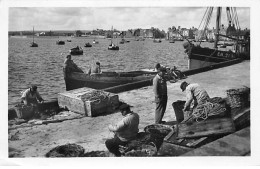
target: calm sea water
<point>43,65</point>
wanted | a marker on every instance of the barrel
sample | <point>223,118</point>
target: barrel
<point>178,109</point>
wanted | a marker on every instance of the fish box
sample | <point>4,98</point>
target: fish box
<point>79,101</point>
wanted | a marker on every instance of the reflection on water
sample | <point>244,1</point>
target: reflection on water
<point>43,65</point>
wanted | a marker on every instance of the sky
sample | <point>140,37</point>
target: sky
<point>121,18</point>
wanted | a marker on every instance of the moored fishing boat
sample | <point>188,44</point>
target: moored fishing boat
<point>74,80</point>
<point>157,41</point>
<point>76,51</point>
<point>95,42</point>
<point>88,45</point>
<point>112,46</point>
<point>60,42</point>
<point>204,56</point>
<point>33,44</point>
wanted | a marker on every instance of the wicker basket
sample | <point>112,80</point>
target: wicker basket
<point>23,111</point>
<point>158,130</point>
<point>238,98</point>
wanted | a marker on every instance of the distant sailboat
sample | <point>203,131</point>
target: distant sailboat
<point>34,44</point>
<point>95,42</point>
<point>112,46</point>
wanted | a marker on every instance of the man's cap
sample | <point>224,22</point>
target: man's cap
<point>98,63</point>
<point>68,56</point>
<point>124,106</point>
<point>34,88</point>
<point>183,85</point>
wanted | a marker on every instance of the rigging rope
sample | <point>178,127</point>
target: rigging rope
<point>207,21</point>
<point>238,26</point>
<point>203,17</point>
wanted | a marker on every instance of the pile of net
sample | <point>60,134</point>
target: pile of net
<point>94,95</point>
<point>67,150</point>
<point>213,107</point>
<point>145,145</point>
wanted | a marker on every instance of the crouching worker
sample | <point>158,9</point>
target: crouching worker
<point>31,97</point>
<point>195,96</point>
<point>124,131</point>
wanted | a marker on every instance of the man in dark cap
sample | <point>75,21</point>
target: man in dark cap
<point>125,130</point>
<point>31,97</point>
<point>195,95</point>
<point>160,92</point>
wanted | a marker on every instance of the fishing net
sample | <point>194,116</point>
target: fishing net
<point>238,98</point>
<point>143,146</point>
<point>94,95</point>
<point>67,150</point>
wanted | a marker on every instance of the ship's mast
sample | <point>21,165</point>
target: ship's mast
<point>33,34</point>
<point>217,27</point>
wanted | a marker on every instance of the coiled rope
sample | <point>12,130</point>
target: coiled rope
<point>203,111</point>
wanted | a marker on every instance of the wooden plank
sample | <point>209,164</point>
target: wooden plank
<point>236,144</point>
<point>242,118</point>
<point>209,127</point>
<point>188,142</point>
<point>168,149</point>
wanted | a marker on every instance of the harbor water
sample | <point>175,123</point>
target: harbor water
<point>43,65</point>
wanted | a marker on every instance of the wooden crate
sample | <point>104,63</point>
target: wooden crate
<point>209,127</point>
<point>72,101</point>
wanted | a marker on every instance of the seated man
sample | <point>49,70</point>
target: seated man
<point>70,66</point>
<point>96,69</point>
<point>31,97</point>
<point>125,131</point>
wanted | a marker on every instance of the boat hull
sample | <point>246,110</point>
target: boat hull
<point>77,80</point>
<point>76,52</point>
<point>60,43</point>
<point>113,47</point>
<point>34,45</point>
<point>201,57</point>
